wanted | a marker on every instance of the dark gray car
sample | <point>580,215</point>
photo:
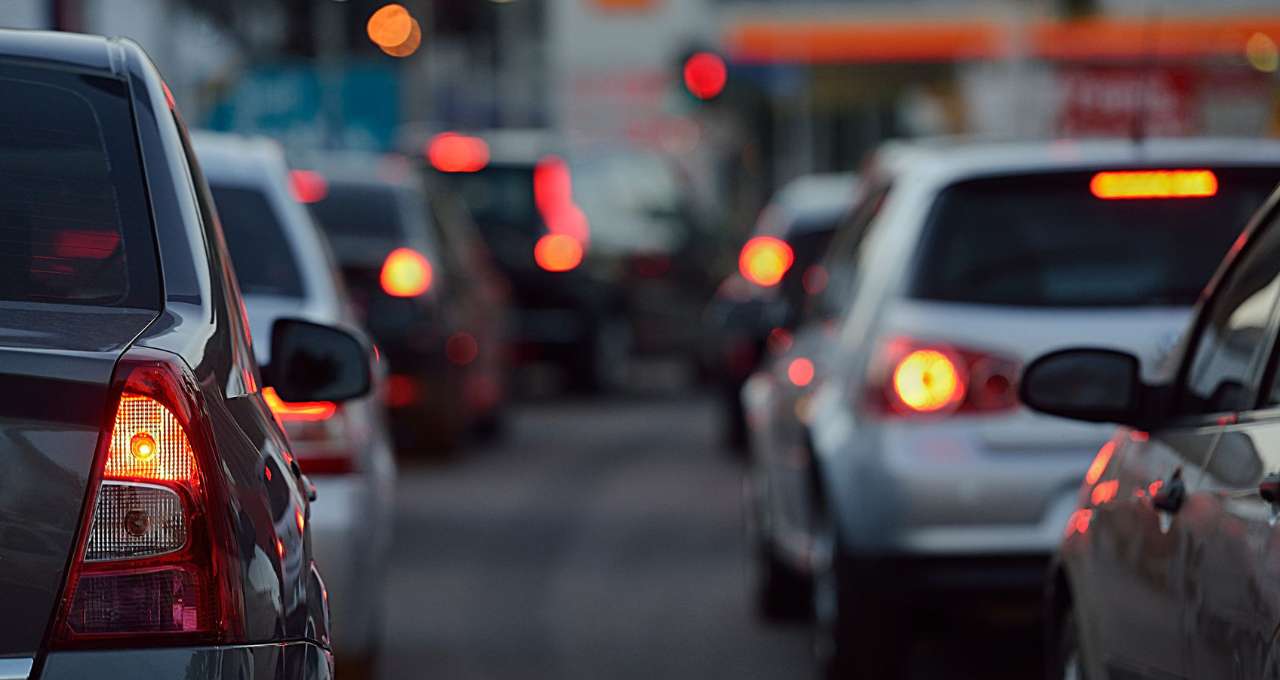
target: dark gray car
<point>153,522</point>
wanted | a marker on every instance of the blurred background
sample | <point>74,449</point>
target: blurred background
<point>572,182</point>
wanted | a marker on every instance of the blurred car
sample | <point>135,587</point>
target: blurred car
<point>284,269</point>
<point>645,238</point>
<point>167,525</point>
<point>912,475</point>
<point>1167,566</point>
<point>764,298</point>
<point>520,193</point>
<point>436,311</point>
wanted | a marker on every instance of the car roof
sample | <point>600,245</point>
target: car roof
<point>88,52</point>
<point>258,163</point>
<point>236,159</point>
<point>950,159</point>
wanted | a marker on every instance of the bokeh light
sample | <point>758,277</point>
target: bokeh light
<point>557,252</point>
<point>409,46</point>
<point>1261,52</point>
<point>390,26</point>
<point>765,260</point>
<point>705,74</point>
<point>452,152</point>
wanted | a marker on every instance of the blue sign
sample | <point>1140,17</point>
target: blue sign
<point>354,106</point>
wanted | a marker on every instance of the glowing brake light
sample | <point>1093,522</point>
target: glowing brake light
<point>800,371</point>
<point>927,381</point>
<point>308,186</point>
<point>557,252</point>
<point>405,273</point>
<point>152,562</point>
<point>297,410</point>
<point>764,260</point>
<point>913,378</point>
<point>1152,184</point>
<point>452,152</point>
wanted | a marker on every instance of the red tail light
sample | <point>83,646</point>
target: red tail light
<point>764,260</point>
<point>914,378</point>
<point>452,152</point>
<point>155,558</point>
<point>320,432</point>
<point>308,186</point>
<point>557,252</point>
<point>405,273</point>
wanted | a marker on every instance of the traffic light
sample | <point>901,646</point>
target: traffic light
<point>705,74</point>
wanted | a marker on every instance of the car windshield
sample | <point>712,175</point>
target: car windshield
<point>74,221</point>
<point>1046,240</point>
<point>265,263</point>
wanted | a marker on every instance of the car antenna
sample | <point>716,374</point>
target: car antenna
<point>1150,38</point>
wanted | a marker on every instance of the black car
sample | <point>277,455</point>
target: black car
<point>152,520</point>
<point>398,264</point>
<point>566,311</point>
<point>1169,564</point>
<point>755,309</point>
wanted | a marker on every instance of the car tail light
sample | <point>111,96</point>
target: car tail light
<point>155,559</point>
<point>308,186</point>
<point>1152,184</point>
<point>321,433</point>
<point>558,253</point>
<point>452,152</point>
<point>913,378</point>
<point>405,273</point>
<point>764,260</point>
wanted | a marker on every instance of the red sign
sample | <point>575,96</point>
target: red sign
<point>1110,101</point>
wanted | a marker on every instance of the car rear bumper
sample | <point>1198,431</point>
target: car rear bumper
<point>285,661</point>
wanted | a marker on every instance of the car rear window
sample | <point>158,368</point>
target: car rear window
<point>74,221</point>
<point>1045,240</point>
<point>264,261</point>
<point>500,199</point>
<point>360,211</point>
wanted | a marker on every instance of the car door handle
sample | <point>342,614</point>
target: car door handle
<point>1171,495</point>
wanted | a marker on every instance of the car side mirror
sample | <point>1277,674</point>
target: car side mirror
<point>315,362</point>
<point>1097,385</point>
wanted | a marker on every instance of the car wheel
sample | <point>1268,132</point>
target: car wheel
<point>1067,660</point>
<point>857,631</point>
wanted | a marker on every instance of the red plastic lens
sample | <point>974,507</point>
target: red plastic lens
<point>166,600</point>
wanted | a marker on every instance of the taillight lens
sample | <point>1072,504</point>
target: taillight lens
<point>913,378</point>
<point>405,273</point>
<point>764,260</point>
<point>154,561</point>
<point>321,433</point>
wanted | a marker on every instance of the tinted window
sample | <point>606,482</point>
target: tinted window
<point>831,283</point>
<point>500,198</point>
<point>1046,241</point>
<point>360,211</point>
<point>74,222</point>
<point>260,252</point>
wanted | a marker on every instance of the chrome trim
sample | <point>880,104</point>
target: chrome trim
<point>15,669</point>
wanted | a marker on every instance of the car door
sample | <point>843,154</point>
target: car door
<point>1151,529</point>
<point>1233,568</point>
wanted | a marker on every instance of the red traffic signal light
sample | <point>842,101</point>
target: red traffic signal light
<point>705,75</point>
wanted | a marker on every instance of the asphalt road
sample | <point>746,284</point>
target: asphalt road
<point>600,540</point>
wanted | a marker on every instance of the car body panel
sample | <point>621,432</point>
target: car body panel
<point>294,660</point>
<point>350,522</point>
<point>201,324</point>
